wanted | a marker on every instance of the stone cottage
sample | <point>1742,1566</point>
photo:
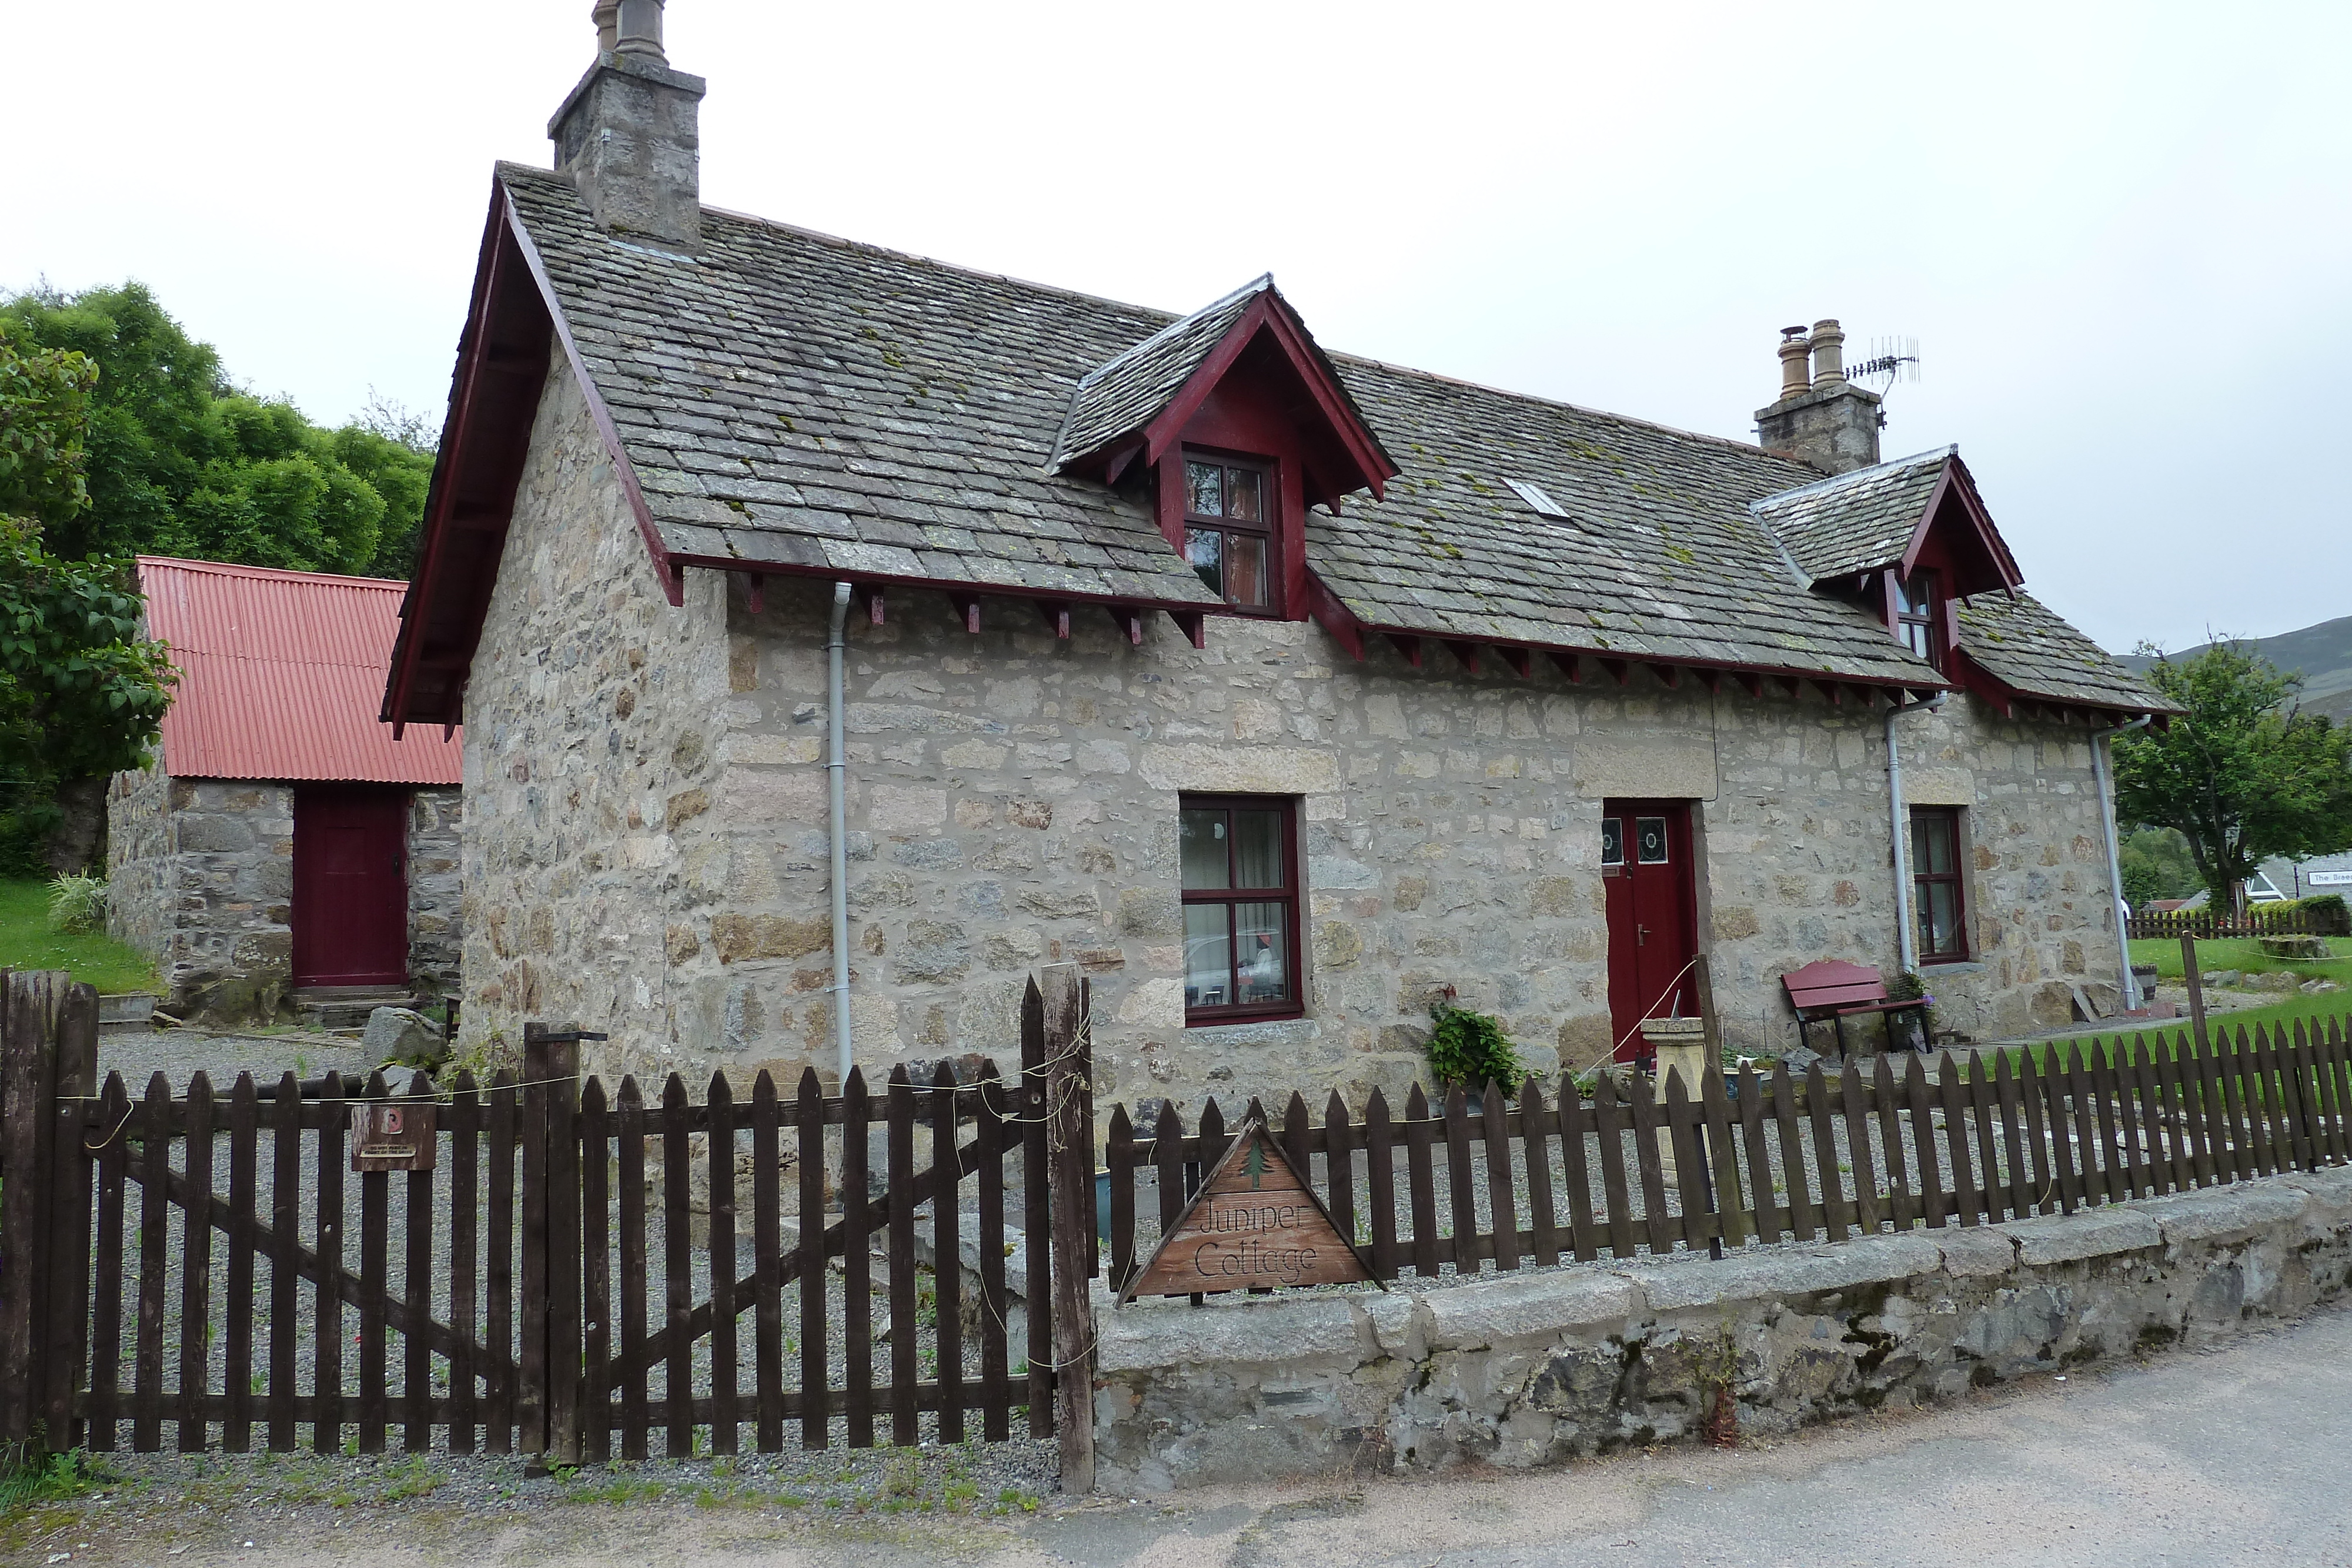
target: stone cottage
<point>282,849</point>
<point>1275,689</point>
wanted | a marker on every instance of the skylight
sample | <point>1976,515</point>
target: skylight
<point>1533,495</point>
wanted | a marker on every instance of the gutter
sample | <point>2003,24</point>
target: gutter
<point>835,767</point>
<point>1907,944</point>
<point>2105,770</point>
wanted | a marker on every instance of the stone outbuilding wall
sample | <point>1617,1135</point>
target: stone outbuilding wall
<point>200,879</point>
<point>648,848</point>
<point>1538,1368</point>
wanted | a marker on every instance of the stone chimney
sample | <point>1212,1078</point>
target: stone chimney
<point>627,135</point>
<point>1827,421</point>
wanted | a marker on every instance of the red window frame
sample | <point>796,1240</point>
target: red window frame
<point>1295,1005</point>
<point>1915,612</point>
<point>1953,948</point>
<point>1267,529</point>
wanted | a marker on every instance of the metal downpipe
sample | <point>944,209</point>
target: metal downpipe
<point>2103,768</point>
<point>835,767</point>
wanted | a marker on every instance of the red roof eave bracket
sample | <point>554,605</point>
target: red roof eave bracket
<point>1334,617</point>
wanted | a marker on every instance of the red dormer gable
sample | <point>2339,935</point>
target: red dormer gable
<point>1243,378</point>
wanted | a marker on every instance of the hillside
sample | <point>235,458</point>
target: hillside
<point>2322,652</point>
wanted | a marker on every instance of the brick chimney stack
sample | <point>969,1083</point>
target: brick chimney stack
<point>627,134</point>
<point>1828,422</point>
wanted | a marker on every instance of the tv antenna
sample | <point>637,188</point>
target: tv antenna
<point>1896,358</point>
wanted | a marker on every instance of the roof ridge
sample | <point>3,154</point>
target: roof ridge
<point>283,573</point>
<point>1261,284</point>
<point>1852,476</point>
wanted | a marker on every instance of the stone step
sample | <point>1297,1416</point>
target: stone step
<point>328,1008</point>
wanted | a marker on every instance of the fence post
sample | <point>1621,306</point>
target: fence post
<point>27,1102</point>
<point>531,1401</point>
<point>565,1343</point>
<point>2195,983</point>
<point>72,1089</point>
<point>1071,1137</point>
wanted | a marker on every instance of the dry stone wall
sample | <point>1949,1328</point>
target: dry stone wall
<point>1538,1368</point>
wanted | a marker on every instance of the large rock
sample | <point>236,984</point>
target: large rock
<point>2295,947</point>
<point>403,1035</point>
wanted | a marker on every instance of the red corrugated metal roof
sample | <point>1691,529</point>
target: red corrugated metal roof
<point>281,676</point>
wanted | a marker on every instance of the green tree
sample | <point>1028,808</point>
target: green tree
<point>2242,772</point>
<point>2156,864</point>
<point>180,462</point>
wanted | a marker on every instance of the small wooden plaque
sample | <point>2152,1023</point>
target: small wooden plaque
<point>1254,1223</point>
<point>394,1137</point>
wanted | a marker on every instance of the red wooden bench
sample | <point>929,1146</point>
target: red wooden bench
<point>1835,990</point>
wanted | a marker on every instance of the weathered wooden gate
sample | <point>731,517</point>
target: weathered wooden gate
<point>564,1266</point>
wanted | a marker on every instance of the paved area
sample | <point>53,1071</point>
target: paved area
<point>2227,1456</point>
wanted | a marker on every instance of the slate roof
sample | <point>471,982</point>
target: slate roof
<point>1117,399</point>
<point>1855,522</point>
<point>790,398</point>
<point>794,399</point>
<point>2021,643</point>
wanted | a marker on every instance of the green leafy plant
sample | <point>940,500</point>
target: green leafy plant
<point>1471,1049</point>
<point>76,905</point>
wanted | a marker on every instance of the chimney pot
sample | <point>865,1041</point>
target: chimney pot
<point>606,14</point>
<point>1793,351</point>
<point>1826,422</point>
<point>1829,355</point>
<point>640,30</point>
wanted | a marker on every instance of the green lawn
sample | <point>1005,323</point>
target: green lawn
<point>28,943</point>
<point>2246,954</point>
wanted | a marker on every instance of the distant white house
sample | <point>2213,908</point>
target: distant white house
<point>2281,878</point>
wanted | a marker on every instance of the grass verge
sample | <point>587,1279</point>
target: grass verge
<point>2246,954</point>
<point>28,943</point>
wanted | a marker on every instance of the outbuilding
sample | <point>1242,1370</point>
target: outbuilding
<point>282,852</point>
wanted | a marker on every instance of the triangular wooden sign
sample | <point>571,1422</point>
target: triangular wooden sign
<point>1254,1223</point>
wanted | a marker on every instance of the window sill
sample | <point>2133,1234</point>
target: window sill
<point>1223,1020</point>
<point>1952,965</point>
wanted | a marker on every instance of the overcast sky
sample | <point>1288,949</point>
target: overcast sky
<point>2121,235</point>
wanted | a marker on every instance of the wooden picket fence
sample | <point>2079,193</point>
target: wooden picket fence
<point>2213,925</point>
<point>200,1261</point>
<point>1491,1180</point>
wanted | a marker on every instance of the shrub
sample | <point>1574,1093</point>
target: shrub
<point>2327,910</point>
<point>78,904</point>
<point>1471,1049</point>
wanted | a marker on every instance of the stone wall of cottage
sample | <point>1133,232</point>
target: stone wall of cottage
<point>1012,803</point>
<point>200,879</point>
<point>139,896</point>
<point>436,940</point>
<point>645,834</point>
<point>593,722</point>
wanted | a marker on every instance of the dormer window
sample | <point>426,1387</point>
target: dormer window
<point>1229,534</point>
<point>1915,611</point>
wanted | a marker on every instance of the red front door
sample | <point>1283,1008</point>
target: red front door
<point>351,885</point>
<point>1645,867</point>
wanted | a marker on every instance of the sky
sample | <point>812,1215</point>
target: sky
<point>2120,235</point>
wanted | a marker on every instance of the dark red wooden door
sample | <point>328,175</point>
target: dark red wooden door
<point>1652,890</point>
<point>351,885</point>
